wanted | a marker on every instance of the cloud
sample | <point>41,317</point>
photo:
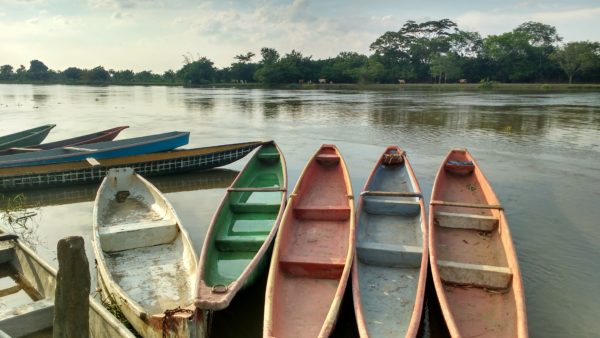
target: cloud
<point>568,15</point>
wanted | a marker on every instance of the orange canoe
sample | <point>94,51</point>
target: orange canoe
<point>313,251</point>
<point>390,263</point>
<point>473,260</point>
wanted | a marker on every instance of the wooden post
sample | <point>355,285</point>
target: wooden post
<point>72,303</point>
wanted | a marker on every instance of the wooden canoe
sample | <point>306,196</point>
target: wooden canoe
<point>473,260</point>
<point>101,136</point>
<point>236,247</point>
<point>92,170</point>
<point>313,251</point>
<point>27,295</point>
<point>145,259</point>
<point>389,270</point>
<point>26,138</point>
<point>100,150</point>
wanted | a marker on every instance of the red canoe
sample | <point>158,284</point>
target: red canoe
<point>473,260</point>
<point>101,136</point>
<point>313,251</point>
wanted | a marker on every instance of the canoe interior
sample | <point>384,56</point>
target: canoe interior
<point>26,138</point>
<point>246,218</point>
<point>143,248</point>
<point>474,256</point>
<point>389,251</point>
<point>312,264</point>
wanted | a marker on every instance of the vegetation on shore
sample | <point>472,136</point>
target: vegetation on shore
<point>428,52</point>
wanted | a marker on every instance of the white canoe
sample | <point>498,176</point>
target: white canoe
<point>27,296</point>
<point>145,259</point>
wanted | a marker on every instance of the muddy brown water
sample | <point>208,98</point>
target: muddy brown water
<point>540,151</point>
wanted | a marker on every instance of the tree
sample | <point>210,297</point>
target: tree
<point>123,76</point>
<point>6,72</point>
<point>98,75</point>
<point>169,76</point>
<point>576,57</point>
<point>72,73</point>
<point>37,70</point>
<point>543,39</point>
<point>446,66</point>
<point>243,58</point>
<point>200,71</point>
<point>511,57</point>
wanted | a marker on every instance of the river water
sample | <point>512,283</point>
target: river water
<point>540,151</point>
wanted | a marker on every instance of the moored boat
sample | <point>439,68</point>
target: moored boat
<point>155,164</point>
<point>100,150</point>
<point>27,295</point>
<point>313,251</point>
<point>26,138</point>
<point>389,269</point>
<point>101,136</point>
<point>145,259</point>
<point>237,246</point>
<point>473,261</point>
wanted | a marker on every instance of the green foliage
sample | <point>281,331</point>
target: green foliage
<point>37,71</point>
<point>577,57</point>
<point>6,72</point>
<point>195,72</point>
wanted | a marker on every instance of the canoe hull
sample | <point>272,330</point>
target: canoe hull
<point>42,278</point>
<point>473,261</point>
<point>238,244</point>
<point>101,150</point>
<point>390,263</point>
<point>34,177</point>
<point>102,136</point>
<point>145,259</point>
<point>26,138</point>
<point>313,251</point>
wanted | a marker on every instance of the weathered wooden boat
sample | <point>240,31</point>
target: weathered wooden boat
<point>27,295</point>
<point>101,136</point>
<point>90,171</point>
<point>312,257</point>
<point>145,259</point>
<point>473,260</point>
<point>100,150</point>
<point>26,138</point>
<point>389,269</point>
<point>237,246</point>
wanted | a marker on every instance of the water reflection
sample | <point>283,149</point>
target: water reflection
<point>201,104</point>
<point>211,179</point>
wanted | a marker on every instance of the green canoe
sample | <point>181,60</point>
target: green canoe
<point>237,246</point>
<point>26,138</point>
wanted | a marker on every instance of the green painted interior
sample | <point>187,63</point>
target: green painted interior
<point>246,219</point>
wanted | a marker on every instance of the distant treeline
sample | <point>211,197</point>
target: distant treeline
<point>427,52</point>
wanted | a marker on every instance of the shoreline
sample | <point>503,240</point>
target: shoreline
<point>539,87</point>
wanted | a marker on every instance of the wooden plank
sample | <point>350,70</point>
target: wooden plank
<point>466,221</point>
<point>485,276</point>
<point>391,193</point>
<point>389,255</point>
<point>92,161</point>
<point>29,318</point>
<point>466,205</point>
<point>255,189</point>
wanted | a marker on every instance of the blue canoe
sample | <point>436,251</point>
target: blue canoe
<point>109,149</point>
<point>26,138</point>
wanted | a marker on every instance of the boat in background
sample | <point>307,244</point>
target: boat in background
<point>473,261</point>
<point>101,150</point>
<point>313,251</point>
<point>105,135</point>
<point>145,259</point>
<point>389,270</point>
<point>29,285</point>
<point>236,247</point>
<point>26,138</point>
<point>163,163</point>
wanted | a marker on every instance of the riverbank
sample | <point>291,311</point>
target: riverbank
<point>488,86</point>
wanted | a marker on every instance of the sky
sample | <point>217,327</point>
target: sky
<point>155,34</point>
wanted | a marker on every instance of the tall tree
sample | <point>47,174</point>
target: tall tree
<point>6,72</point>
<point>576,57</point>
<point>37,70</point>
<point>543,39</point>
<point>197,72</point>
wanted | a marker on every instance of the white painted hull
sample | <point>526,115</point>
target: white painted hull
<point>145,259</point>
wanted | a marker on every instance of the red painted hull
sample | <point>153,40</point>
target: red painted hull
<point>313,251</point>
<point>473,260</point>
